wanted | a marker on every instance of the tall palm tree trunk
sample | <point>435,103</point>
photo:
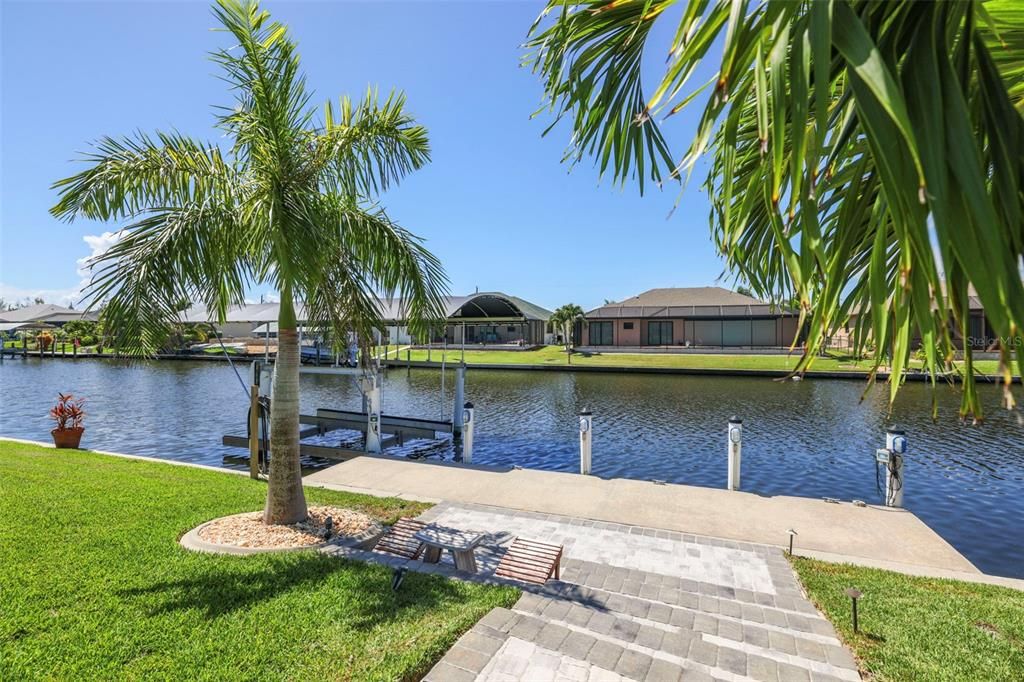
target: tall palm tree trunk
<point>286,502</point>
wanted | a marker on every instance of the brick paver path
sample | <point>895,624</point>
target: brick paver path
<point>642,604</point>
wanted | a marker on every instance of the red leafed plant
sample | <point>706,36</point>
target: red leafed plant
<point>68,412</point>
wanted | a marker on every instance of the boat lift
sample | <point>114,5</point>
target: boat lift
<point>342,434</point>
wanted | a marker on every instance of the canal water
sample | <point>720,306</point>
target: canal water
<point>814,438</point>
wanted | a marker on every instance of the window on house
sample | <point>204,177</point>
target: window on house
<point>627,325</point>
<point>659,333</point>
<point>600,333</point>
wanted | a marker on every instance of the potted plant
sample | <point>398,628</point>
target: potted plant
<point>68,414</point>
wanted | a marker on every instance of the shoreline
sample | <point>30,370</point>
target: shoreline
<point>859,375</point>
<point>695,371</point>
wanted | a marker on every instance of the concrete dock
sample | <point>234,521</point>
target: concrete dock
<point>871,536</point>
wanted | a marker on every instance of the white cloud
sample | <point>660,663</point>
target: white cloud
<point>13,295</point>
<point>98,245</point>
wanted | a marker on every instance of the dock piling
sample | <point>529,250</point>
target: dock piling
<point>735,432</point>
<point>254,431</point>
<point>586,424</point>
<point>467,434</point>
<point>460,390</point>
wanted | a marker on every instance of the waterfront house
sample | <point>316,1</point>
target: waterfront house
<point>482,318</point>
<point>46,314</point>
<point>980,335</point>
<point>690,317</point>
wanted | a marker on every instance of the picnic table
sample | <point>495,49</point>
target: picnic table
<point>460,543</point>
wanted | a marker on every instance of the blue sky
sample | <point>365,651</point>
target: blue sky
<point>496,204</point>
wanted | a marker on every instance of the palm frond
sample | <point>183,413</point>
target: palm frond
<point>360,249</point>
<point>365,148</point>
<point>128,175</point>
<point>165,261</point>
<point>867,157</point>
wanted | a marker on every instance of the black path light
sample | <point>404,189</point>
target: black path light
<point>397,577</point>
<point>854,594</point>
<point>792,534</point>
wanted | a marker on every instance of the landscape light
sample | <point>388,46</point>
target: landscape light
<point>792,534</point>
<point>853,593</point>
<point>397,577</point>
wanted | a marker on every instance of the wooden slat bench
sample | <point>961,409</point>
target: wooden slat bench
<point>460,543</point>
<point>530,561</point>
<point>400,539</point>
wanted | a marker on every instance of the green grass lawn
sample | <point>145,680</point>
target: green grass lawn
<point>68,347</point>
<point>921,628</point>
<point>555,355</point>
<point>217,350</point>
<point>93,583</point>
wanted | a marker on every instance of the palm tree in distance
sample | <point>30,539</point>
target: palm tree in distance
<point>866,157</point>
<point>290,203</point>
<point>565,319</point>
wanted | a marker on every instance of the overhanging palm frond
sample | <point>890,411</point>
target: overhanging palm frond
<point>591,61</point>
<point>867,157</point>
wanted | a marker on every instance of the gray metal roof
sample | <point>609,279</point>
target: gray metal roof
<point>687,302</point>
<point>17,326</point>
<point>490,305</point>
<point>46,312</point>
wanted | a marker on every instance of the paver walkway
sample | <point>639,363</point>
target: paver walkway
<point>877,536</point>
<point>638,603</point>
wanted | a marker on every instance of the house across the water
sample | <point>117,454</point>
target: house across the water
<point>692,317</point>
<point>483,318</point>
<point>46,313</point>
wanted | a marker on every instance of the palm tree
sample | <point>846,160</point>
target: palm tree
<point>290,203</point>
<point>565,318</point>
<point>866,156</point>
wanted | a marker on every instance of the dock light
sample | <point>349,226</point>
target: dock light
<point>328,525</point>
<point>792,534</point>
<point>397,577</point>
<point>854,594</point>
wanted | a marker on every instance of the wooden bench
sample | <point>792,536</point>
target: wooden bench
<point>530,561</point>
<point>460,543</point>
<point>401,539</point>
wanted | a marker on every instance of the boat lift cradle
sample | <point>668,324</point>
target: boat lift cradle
<point>379,431</point>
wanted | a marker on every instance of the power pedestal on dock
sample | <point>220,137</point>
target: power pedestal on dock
<point>890,459</point>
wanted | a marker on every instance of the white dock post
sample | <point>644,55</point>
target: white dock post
<point>586,424</point>
<point>467,434</point>
<point>735,451</point>
<point>460,398</point>
<point>371,389</point>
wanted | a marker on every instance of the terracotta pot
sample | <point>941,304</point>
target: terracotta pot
<point>67,438</point>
